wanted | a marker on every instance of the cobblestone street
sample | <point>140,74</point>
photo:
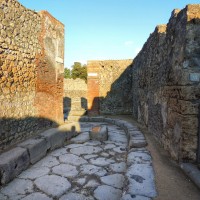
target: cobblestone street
<point>84,169</point>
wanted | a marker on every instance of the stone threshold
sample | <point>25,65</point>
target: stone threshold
<point>140,178</point>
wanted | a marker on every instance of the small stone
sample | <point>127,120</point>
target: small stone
<point>99,133</point>
<point>92,183</point>
<point>105,192</point>
<point>92,169</point>
<point>65,170</point>
<point>72,159</point>
<point>53,185</point>
<point>101,161</point>
<point>114,180</point>
<point>17,187</point>
<point>118,167</point>
<point>34,173</point>
<point>85,150</point>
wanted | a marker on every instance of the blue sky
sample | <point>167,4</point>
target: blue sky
<point>106,29</point>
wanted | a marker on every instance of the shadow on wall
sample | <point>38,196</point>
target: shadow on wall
<point>13,131</point>
<point>118,99</point>
<point>67,102</point>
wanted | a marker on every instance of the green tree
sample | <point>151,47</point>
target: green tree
<point>79,71</point>
<point>67,73</point>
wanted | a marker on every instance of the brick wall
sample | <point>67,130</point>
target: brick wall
<point>31,67</point>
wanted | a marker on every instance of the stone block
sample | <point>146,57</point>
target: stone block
<point>96,119</point>
<point>37,148</point>
<point>54,138</point>
<point>99,133</point>
<point>13,163</point>
<point>137,143</point>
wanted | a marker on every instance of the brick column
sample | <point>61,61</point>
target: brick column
<point>93,87</point>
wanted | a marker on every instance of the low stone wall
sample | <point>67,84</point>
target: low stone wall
<point>166,83</point>
<point>110,86</point>
<point>75,97</point>
<point>31,67</point>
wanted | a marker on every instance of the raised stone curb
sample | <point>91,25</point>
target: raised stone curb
<point>13,162</point>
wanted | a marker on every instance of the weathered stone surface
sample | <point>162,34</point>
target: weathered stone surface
<point>83,137</point>
<point>118,167</point>
<point>37,196</point>
<point>31,81</point>
<point>48,161</point>
<point>114,180</point>
<point>92,169</point>
<point>34,172</point>
<point>37,148</point>
<point>75,196</point>
<point>13,163</point>
<point>54,137</point>
<point>99,133</point>
<point>18,188</point>
<point>53,185</point>
<point>166,92</point>
<point>65,170</point>
<point>105,192</point>
<point>86,150</point>
<point>136,157</point>
<point>141,180</point>
<point>134,197</point>
<point>100,161</point>
<point>72,159</point>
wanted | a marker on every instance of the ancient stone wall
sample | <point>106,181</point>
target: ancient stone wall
<point>166,83</point>
<point>75,97</point>
<point>31,67</point>
<point>110,86</point>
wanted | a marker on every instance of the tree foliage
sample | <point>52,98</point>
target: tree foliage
<point>79,71</point>
<point>67,73</point>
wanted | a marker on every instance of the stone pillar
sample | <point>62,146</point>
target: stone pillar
<point>93,87</point>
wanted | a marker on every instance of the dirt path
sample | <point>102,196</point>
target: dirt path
<point>171,182</point>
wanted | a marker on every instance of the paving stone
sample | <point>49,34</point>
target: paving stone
<point>18,188</point>
<point>134,197</point>
<point>120,150</point>
<point>33,173</point>
<point>53,185</point>
<point>71,146</point>
<point>138,157</point>
<point>92,143</point>
<point>141,180</point>
<point>12,163</point>
<point>37,148</point>
<point>114,180</point>
<point>3,197</point>
<point>81,138</point>
<point>37,196</point>
<point>90,156</point>
<point>118,167</point>
<point>92,184</point>
<point>58,152</point>
<point>86,150</point>
<point>49,161</point>
<point>109,146</point>
<point>65,170</point>
<point>72,159</point>
<point>105,192</point>
<point>92,169</point>
<point>103,154</point>
<point>101,161</point>
<point>75,196</point>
